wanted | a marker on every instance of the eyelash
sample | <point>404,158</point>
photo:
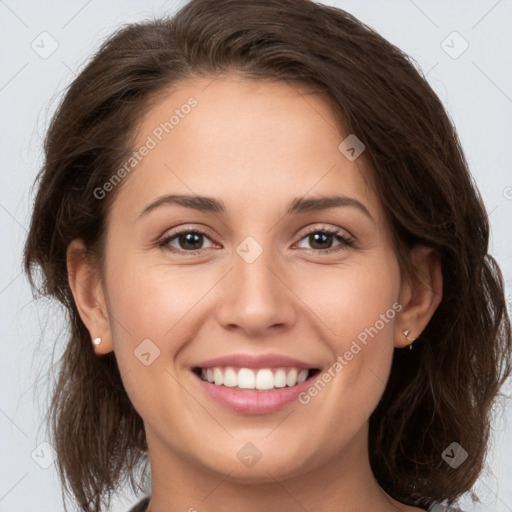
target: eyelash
<point>344,241</point>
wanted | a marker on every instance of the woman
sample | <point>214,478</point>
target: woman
<point>252,211</point>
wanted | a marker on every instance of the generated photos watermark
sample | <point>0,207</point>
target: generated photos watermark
<point>343,360</point>
<point>151,142</point>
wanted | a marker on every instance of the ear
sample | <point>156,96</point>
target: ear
<point>420,295</point>
<point>85,283</point>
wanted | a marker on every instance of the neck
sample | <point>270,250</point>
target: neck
<point>342,482</point>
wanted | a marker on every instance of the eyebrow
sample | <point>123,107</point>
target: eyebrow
<point>296,206</point>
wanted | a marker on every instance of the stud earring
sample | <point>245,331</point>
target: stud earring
<point>96,341</point>
<point>406,333</point>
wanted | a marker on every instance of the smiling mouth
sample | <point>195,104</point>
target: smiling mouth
<point>261,379</point>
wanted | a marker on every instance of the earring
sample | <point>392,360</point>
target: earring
<point>406,333</point>
<point>96,341</point>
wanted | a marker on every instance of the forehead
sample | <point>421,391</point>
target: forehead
<point>245,141</point>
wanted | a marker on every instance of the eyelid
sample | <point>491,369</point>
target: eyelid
<point>325,227</point>
<point>186,228</point>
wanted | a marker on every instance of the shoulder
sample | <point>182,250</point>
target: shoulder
<point>141,505</point>
<point>438,506</point>
<point>441,507</point>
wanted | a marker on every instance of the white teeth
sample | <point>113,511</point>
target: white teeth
<point>303,375</point>
<point>230,378</point>
<point>218,377</point>
<point>280,378</point>
<point>291,378</point>
<point>246,379</point>
<point>262,379</point>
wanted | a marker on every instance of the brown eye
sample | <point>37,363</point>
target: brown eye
<point>185,241</point>
<point>321,240</point>
<point>190,241</point>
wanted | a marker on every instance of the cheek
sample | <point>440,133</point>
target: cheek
<point>148,325</point>
<point>351,298</point>
<point>358,305</point>
<point>152,301</point>
<point>155,312</point>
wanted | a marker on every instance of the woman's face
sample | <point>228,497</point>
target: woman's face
<point>260,279</point>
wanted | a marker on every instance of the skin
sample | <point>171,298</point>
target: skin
<point>256,146</point>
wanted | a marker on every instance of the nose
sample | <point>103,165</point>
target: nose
<point>256,297</point>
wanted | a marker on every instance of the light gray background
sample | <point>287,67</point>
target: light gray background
<point>476,88</point>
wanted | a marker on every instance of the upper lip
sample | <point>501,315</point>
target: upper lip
<point>253,361</point>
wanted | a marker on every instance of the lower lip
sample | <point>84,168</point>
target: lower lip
<point>253,402</point>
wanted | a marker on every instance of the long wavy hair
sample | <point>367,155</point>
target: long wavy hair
<point>442,391</point>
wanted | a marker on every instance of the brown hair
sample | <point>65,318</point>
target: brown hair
<point>440,392</point>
